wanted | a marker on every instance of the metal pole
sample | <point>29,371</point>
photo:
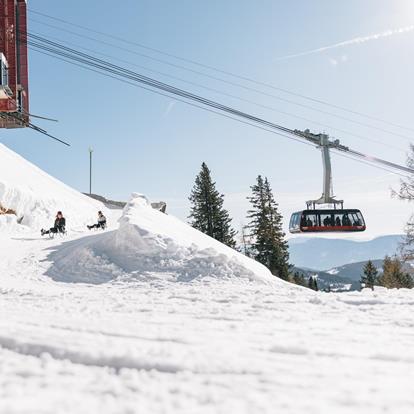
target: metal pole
<point>327,170</point>
<point>90,170</point>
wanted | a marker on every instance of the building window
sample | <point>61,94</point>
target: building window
<point>4,72</point>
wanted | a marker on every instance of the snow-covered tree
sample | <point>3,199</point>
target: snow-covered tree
<point>207,212</point>
<point>269,246</point>
<point>370,275</point>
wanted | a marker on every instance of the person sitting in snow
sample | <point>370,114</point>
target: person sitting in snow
<point>59,227</point>
<point>101,224</point>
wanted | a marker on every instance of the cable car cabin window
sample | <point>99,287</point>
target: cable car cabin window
<point>356,219</point>
<point>327,220</point>
<point>294,222</point>
<point>309,220</point>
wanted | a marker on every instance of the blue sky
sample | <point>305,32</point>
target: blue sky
<point>151,144</point>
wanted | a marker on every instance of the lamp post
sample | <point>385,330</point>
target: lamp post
<point>90,169</point>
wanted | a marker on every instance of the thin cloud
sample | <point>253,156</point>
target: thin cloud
<point>355,41</point>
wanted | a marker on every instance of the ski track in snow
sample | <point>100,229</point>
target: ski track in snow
<point>155,345</point>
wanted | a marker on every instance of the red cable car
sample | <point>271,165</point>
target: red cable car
<point>327,221</point>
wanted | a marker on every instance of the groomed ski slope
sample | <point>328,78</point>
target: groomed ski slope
<point>152,316</point>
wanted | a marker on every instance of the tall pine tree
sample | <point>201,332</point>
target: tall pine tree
<point>269,246</point>
<point>370,276</point>
<point>207,212</point>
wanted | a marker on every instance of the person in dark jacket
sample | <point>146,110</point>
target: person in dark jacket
<point>101,224</point>
<point>59,227</point>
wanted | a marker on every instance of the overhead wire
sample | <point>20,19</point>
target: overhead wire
<point>405,137</point>
<point>225,72</point>
<point>84,66</point>
<point>348,133</point>
<point>371,164</point>
<point>85,59</point>
<point>32,126</point>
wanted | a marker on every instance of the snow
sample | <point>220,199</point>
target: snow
<point>36,197</point>
<point>147,242</point>
<point>151,316</point>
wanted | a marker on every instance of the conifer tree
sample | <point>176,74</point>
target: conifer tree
<point>269,246</point>
<point>299,279</point>
<point>393,275</point>
<point>313,283</point>
<point>370,276</point>
<point>207,212</point>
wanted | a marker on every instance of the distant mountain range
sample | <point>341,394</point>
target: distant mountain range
<point>327,280</point>
<point>353,271</point>
<point>346,277</point>
<point>322,253</point>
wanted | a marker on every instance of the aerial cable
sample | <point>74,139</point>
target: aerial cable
<point>233,83</point>
<point>27,124</point>
<point>99,61</point>
<point>371,164</point>
<point>103,65</point>
<point>228,73</point>
<point>82,57</point>
<point>88,67</point>
<point>231,95</point>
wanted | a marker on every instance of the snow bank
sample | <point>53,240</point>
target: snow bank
<point>36,196</point>
<point>150,244</point>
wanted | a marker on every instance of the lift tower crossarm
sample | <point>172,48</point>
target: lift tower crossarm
<point>325,144</point>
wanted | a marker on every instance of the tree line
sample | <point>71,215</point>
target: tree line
<point>262,238</point>
<point>392,275</point>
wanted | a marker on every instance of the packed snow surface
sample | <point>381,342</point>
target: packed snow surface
<point>151,344</point>
<point>147,242</point>
<point>151,316</point>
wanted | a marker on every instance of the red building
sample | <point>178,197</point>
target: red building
<point>14,81</point>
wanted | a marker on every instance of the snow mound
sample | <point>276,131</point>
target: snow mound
<point>150,244</point>
<point>35,196</point>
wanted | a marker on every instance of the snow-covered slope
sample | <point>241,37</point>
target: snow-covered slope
<point>208,346</point>
<point>150,243</point>
<point>36,196</point>
<point>174,322</point>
